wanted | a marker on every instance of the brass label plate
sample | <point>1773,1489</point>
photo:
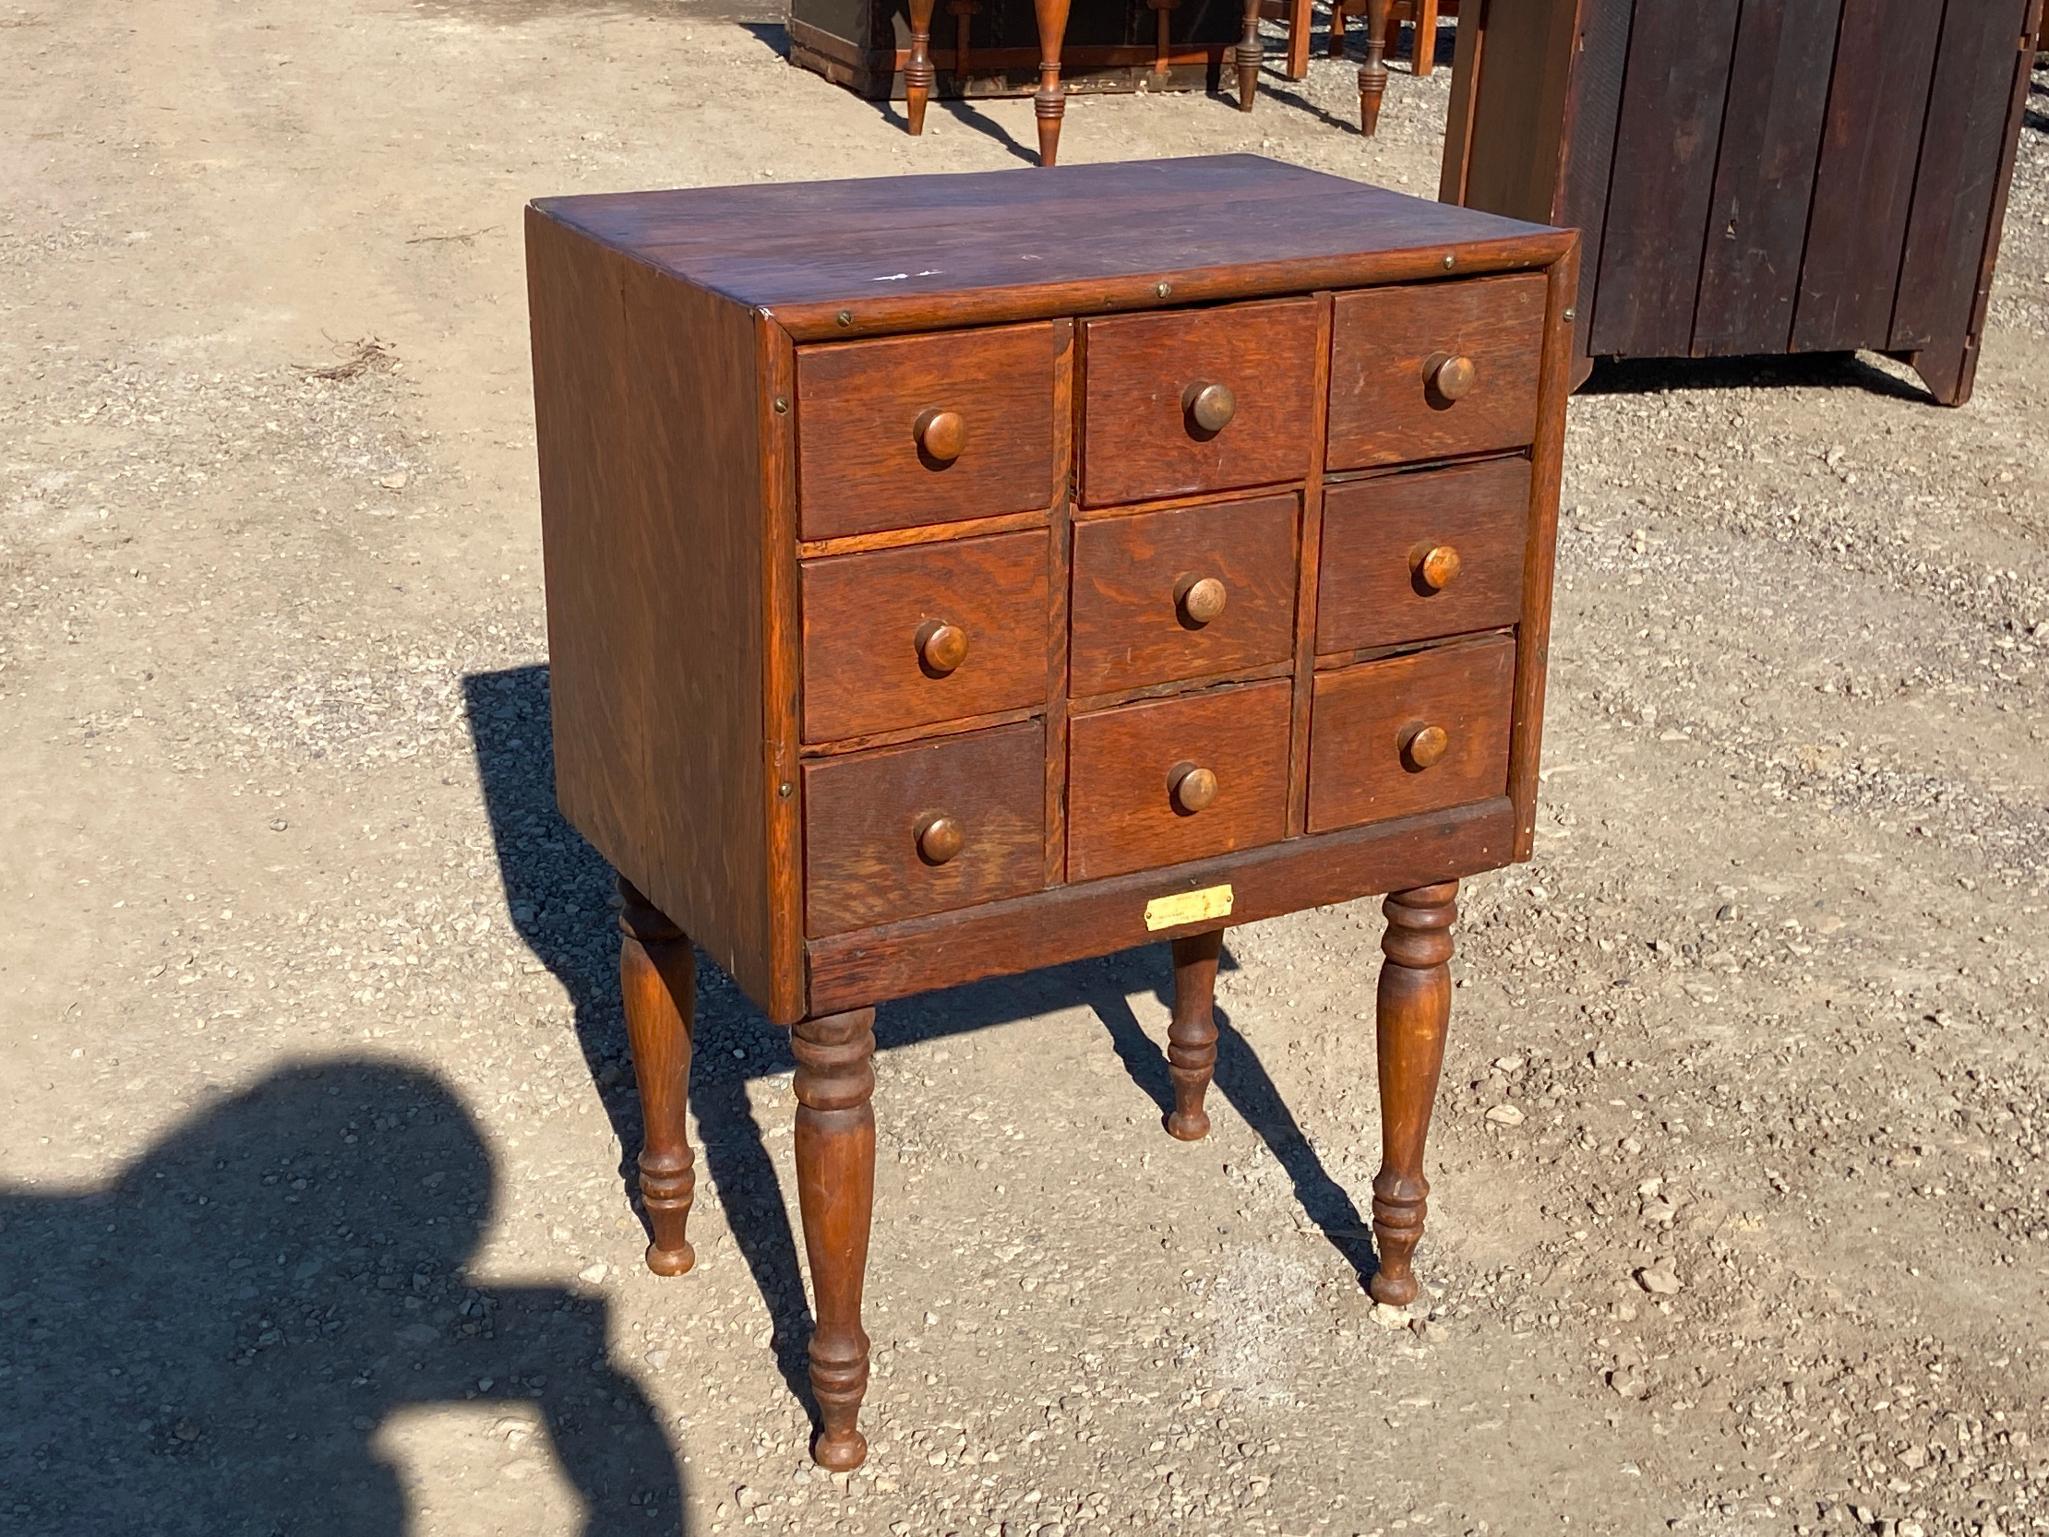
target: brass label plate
<point>1187,907</point>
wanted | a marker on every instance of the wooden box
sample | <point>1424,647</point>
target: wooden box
<point>1754,176</point>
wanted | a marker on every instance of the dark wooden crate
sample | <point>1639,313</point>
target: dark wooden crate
<point>1755,176</point>
<point>1111,45</point>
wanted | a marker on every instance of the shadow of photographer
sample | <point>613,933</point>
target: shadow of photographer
<point>208,1344</point>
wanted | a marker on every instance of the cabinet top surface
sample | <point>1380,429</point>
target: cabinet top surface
<point>924,237</point>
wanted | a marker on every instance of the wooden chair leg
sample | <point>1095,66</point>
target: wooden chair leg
<point>1423,57</point>
<point>918,71</point>
<point>1414,1009</point>
<point>1373,73</point>
<point>1049,101</point>
<point>1298,39</point>
<point>835,1083</point>
<point>1192,1036</point>
<point>658,978</point>
<point>1247,57</point>
<point>1337,29</point>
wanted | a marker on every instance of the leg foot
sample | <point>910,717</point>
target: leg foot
<point>1414,1009</point>
<point>658,978</point>
<point>1248,56</point>
<point>835,1084</point>
<point>1049,101</point>
<point>918,72</point>
<point>1192,1037</point>
<point>1373,73</point>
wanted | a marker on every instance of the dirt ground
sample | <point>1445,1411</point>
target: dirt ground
<point>315,1094</point>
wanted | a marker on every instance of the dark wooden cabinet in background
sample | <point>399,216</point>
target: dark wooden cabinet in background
<point>1754,176</point>
<point>950,576</point>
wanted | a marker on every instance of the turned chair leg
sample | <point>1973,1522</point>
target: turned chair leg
<point>1049,101</point>
<point>1337,29</point>
<point>1373,73</point>
<point>1192,1036</point>
<point>918,72</point>
<point>1248,56</point>
<point>1414,1009</point>
<point>658,978</point>
<point>835,1082</point>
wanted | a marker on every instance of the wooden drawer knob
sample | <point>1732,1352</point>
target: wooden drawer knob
<point>1209,406</point>
<point>939,839</point>
<point>1199,599</point>
<point>1191,788</point>
<point>1451,375</point>
<point>1424,745</point>
<point>942,435</point>
<point>1437,566</point>
<point>941,646</point>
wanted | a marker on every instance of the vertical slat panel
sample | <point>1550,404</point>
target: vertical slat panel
<point>1518,107</point>
<point>1764,184</point>
<point>1864,185</point>
<point>1603,52</point>
<point>1670,126</point>
<point>1970,105</point>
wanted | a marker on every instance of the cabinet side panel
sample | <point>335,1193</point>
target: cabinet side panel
<point>652,533</point>
<point>1970,116</point>
<point>1523,70</point>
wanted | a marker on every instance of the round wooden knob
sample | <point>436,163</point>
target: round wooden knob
<point>1452,376</point>
<point>1437,566</point>
<point>1209,406</point>
<point>942,434</point>
<point>939,839</point>
<point>1423,745</point>
<point>1192,788</point>
<point>942,646</point>
<point>1200,599</point>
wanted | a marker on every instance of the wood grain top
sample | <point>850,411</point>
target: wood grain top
<point>894,251</point>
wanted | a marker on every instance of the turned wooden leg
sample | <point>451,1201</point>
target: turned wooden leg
<point>1248,57</point>
<point>1373,73</point>
<point>918,68</point>
<point>658,977</point>
<point>1049,101</point>
<point>1423,57</point>
<point>1414,1009</point>
<point>1192,1036</point>
<point>1337,29</point>
<point>835,1082</point>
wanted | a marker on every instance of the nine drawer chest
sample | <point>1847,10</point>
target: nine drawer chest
<point>950,576</point>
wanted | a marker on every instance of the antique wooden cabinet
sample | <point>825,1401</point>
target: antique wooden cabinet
<point>954,575</point>
<point>1754,176</point>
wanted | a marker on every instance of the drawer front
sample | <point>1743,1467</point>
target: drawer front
<point>1136,796</point>
<point>1371,750</point>
<point>924,429</point>
<point>899,638</point>
<point>923,828</point>
<point>1184,594</point>
<point>1201,400</point>
<point>1416,557</point>
<point>1434,369</point>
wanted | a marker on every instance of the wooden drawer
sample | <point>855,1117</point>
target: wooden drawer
<point>1127,797</point>
<point>1144,407</point>
<point>1396,356</point>
<point>876,827</point>
<point>1366,762</point>
<point>924,429</point>
<point>1416,557</point>
<point>881,627</point>
<point>1147,590</point>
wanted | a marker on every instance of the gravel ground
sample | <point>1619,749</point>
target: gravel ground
<point>311,1130</point>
